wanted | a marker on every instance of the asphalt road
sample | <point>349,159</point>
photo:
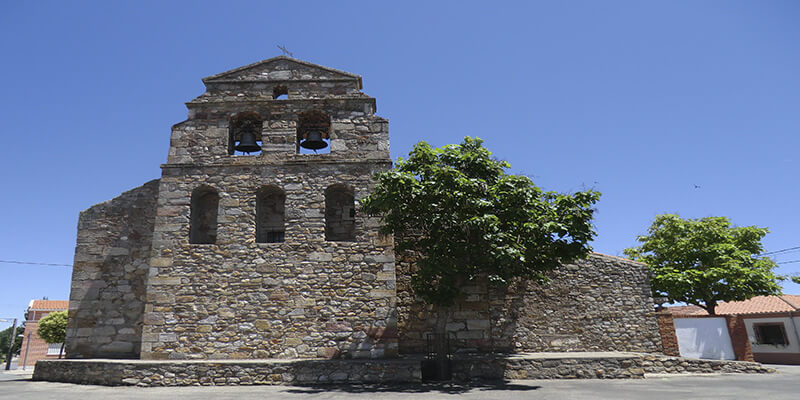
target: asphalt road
<point>783,385</point>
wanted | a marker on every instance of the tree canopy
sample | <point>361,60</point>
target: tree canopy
<point>705,261</point>
<point>465,217</point>
<point>53,327</point>
<point>5,340</point>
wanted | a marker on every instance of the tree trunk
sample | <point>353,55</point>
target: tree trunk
<point>61,351</point>
<point>440,344</point>
<point>710,307</point>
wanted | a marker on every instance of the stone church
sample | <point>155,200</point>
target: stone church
<point>252,245</point>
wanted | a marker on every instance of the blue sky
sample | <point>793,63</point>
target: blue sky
<point>643,101</point>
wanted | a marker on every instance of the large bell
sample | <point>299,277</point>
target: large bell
<point>314,141</point>
<point>248,143</point>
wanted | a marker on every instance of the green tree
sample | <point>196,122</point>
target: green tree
<point>466,218</point>
<point>5,340</point>
<point>53,328</point>
<point>705,261</point>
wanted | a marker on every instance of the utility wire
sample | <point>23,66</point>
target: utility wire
<point>34,263</point>
<point>69,265</point>
<point>780,251</point>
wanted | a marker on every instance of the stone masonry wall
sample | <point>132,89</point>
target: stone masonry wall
<point>305,297</point>
<point>602,303</point>
<point>354,135</point>
<point>111,262</point>
<point>300,79</point>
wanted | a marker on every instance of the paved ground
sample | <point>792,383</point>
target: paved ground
<point>783,385</point>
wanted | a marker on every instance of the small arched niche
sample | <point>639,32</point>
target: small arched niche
<point>203,217</point>
<point>244,133</point>
<point>340,213</point>
<point>313,132</point>
<point>280,92</point>
<point>270,211</point>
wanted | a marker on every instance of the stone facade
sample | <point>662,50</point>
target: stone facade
<point>303,296</point>
<point>602,303</point>
<point>157,293</point>
<point>267,256</point>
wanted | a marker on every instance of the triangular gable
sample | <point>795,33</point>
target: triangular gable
<point>281,68</point>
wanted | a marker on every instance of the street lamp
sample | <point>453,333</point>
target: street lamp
<point>27,348</point>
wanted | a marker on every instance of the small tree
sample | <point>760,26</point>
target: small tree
<point>705,261</point>
<point>466,218</point>
<point>5,341</point>
<point>53,329</point>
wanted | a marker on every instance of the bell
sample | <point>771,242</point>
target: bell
<point>248,143</point>
<point>313,141</point>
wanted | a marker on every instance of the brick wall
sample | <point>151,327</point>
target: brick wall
<point>739,339</point>
<point>669,340</point>
<point>37,349</point>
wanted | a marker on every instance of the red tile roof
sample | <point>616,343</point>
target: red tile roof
<point>756,305</point>
<point>685,310</point>
<point>794,299</point>
<point>48,305</point>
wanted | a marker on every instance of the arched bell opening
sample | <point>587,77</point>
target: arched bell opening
<point>245,133</point>
<point>313,132</point>
<point>270,211</point>
<point>203,216</point>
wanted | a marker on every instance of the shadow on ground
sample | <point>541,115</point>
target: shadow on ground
<point>448,388</point>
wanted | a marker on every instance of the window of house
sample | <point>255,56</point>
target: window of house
<point>244,133</point>
<point>53,349</point>
<point>313,132</point>
<point>270,207</point>
<point>203,218</point>
<point>340,212</point>
<point>771,333</point>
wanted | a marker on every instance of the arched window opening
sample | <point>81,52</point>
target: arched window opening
<point>313,132</point>
<point>270,207</point>
<point>340,213</point>
<point>203,219</point>
<point>280,93</point>
<point>245,133</point>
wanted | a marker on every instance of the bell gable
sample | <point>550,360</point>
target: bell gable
<point>281,69</point>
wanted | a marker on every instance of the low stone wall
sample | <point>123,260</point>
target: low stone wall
<point>222,373</point>
<point>549,366</point>
<point>591,366</point>
<point>465,368</point>
<point>658,364</point>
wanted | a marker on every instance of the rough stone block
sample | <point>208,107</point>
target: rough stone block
<point>317,256</point>
<point>476,324</point>
<point>164,280</point>
<point>161,262</point>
